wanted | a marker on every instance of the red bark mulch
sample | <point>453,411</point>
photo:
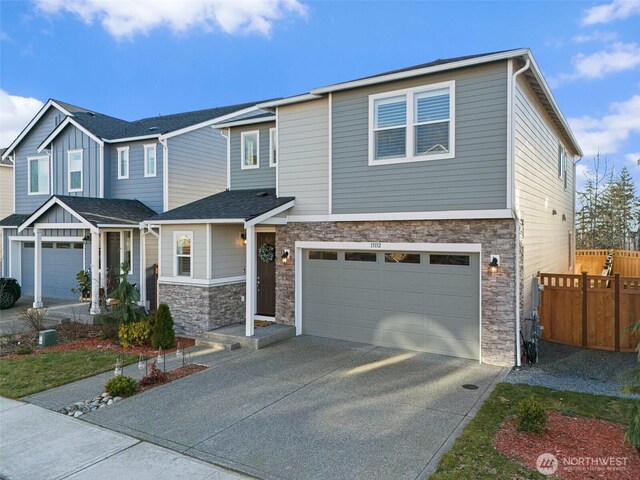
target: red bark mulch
<point>585,448</point>
<point>174,375</point>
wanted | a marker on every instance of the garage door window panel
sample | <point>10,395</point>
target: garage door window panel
<point>322,255</point>
<point>402,257</point>
<point>360,257</point>
<point>457,260</point>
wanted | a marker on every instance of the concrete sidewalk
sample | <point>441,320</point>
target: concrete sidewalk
<point>36,443</point>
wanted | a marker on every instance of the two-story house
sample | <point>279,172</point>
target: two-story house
<point>6,194</point>
<point>85,181</point>
<point>407,209</point>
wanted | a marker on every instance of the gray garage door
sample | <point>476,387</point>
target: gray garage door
<point>60,263</point>
<point>418,301</point>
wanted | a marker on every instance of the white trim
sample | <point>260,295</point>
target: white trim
<point>330,138</point>
<point>402,216</point>
<point>59,226</point>
<point>165,174</point>
<point>143,266</point>
<point>176,234</point>
<point>146,159</point>
<point>289,100</point>
<point>62,126</point>
<point>132,139</point>
<point>159,257</point>
<point>198,221</point>
<point>201,282</point>
<point>116,225</point>
<point>56,201</point>
<point>102,175</point>
<point>8,165</point>
<point>410,123</point>
<point>383,246</point>
<point>511,132</point>
<point>420,71</point>
<point>31,124</point>
<point>208,250</point>
<point>31,238</point>
<point>213,121</point>
<point>264,318</point>
<point>29,160</point>
<point>250,281</point>
<point>277,221</point>
<point>273,132</point>
<point>242,152</point>
<point>247,121</point>
<point>226,133</point>
<point>124,150</point>
<point>69,153</point>
<point>269,214</point>
<point>277,135</point>
<point>122,249</point>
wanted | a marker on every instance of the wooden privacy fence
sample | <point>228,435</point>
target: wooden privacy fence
<point>625,262</point>
<point>590,311</point>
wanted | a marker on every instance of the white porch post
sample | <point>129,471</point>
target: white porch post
<point>103,260</point>
<point>250,297</point>
<point>143,267</point>
<point>37,269</point>
<point>95,276</point>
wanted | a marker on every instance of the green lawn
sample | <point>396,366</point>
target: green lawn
<point>31,374</point>
<point>473,455</point>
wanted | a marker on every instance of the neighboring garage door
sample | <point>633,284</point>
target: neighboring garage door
<point>60,264</point>
<point>418,301</point>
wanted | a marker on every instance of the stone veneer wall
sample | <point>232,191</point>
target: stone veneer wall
<point>196,309</point>
<point>498,290</point>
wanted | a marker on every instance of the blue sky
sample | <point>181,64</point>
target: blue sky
<point>133,60</point>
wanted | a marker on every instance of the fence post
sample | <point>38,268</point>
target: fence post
<point>585,323</point>
<point>616,315</point>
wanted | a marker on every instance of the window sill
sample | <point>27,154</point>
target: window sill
<point>249,167</point>
<point>38,193</point>
<point>393,161</point>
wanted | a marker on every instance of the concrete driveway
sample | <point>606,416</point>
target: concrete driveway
<point>312,408</point>
<point>11,319</point>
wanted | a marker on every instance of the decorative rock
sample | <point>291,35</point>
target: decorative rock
<point>77,414</point>
<point>115,399</point>
<point>70,414</point>
<point>105,394</point>
<point>110,402</point>
<point>102,406</point>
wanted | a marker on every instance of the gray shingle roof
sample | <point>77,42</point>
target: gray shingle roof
<point>234,204</point>
<point>13,220</point>
<point>108,211</point>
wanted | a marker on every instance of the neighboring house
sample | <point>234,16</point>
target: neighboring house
<point>6,194</point>
<point>85,181</point>
<point>386,199</point>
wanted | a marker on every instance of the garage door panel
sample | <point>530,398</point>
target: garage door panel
<point>418,306</point>
<point>59,269</point>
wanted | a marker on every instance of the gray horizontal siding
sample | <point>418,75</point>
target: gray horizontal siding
<point>263,177</point>
<point>197,165</point>
<point>146,189</point>
<point>198,248</point>
<point>228,252</point>
<point>28,147</point>
<point>474,179</point>
<point>303,131</point>
<point>71,138</point>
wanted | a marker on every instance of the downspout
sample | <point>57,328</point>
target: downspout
<point>512,161</point>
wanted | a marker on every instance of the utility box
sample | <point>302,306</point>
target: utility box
<point>47,338</point>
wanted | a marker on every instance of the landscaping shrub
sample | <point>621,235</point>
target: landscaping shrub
<point>155,376</point>
<point>127,297</point>
<point>24,349</point>
<point>34,318</point>
<point>121,386</point>
<point>163,334</point>
<point>532,416</point>
<point>110,326</point>
<point>134,334</point>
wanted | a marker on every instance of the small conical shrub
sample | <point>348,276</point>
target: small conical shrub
<point>163,334</point>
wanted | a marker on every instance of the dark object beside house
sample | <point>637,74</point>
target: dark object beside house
<point>10,292</point>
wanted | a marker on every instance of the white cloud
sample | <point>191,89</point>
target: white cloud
<point>616,10</point>
<point>633,160</point>
<point>15,114</point>
<point>595,37</point>
<point>128,18</point>
<point>616,58</point>
<point>607,134</point>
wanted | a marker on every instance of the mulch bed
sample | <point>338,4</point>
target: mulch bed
<point>174,375</point>
<point>80,336</point>
<point>585,448</point>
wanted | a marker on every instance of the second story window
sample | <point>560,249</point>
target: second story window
<point>249,149</point>
<point>123,162</point>
<point>412,124</point>
<point>273,147</point>
<point>38,174</point>
<point>74,166</point>
<point>150,160</point>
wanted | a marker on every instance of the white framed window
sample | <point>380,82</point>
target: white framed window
<point>561,161</point>
<point>123,162</point>
<point>150,160</point>
<point>74,168</point>
<point>273,147</point>
<point>250,149</point>
<point>126,248</point>
<point>38,175</point>
<point>413,124</point>
<point>183,254</point>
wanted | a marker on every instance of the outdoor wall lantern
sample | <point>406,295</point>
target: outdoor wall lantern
<point>494,264</point>
<point>285,256</point>
<point>243,236</point>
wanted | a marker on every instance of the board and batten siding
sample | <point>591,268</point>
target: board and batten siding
<point>197,166</point>
<point>71,138</point>
<point>228,255</point>
<point>263,177</point>
<point>28,147</point>
<point>475,179</point>
<point>198,248</point>
<point>539,191</point>
<point>303,151</point>
<point>57,214</point>
<point>148,190</point>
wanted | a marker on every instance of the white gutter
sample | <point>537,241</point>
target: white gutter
<point>512,163</point>
<point>247,121</point>
<point>131,139</point>
<point>289,100</point>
